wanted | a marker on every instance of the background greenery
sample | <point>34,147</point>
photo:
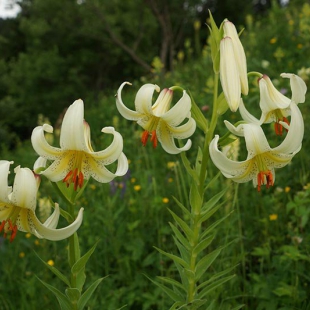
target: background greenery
<point>55,52</point>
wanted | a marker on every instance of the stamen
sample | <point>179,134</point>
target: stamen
<point>264,177</point>
<point>278,128</point>
<point>11,229</point>
<point>154,139</point>
<point>76,177</point>
<point>144,138</point>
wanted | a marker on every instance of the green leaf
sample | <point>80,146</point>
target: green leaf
<point>214,285</point>
<point>176,305</point>
<point>214,277</point>
<point>205,263</point>
<point>73,294</point>
<point>80,264</point>
<point>173,295</point>
<point>172,282</point>
<point>211,227</point>
<point>195,199</point>
<point>207,215</point>
<point>64,302</point>
<point>174,258</point>
<point>213,201</point>
<point>56,272</point>
<point>203,244</point>
<point>88,293</point>
<point>74,252</point>
<point>180,236</point>
<point>182,207</point>
<point>188,168</point>
<point>184,253</point>
<point>188,232</point>
<point>198,116</point>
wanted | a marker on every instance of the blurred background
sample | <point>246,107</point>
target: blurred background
<point>53,52</point>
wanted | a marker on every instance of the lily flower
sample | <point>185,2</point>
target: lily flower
<point>274,105</point>
<point>18,205</point>
<point>262,159</point>
<point>233,68</point>
<point>75,161</point>
<point>240,58</point>
<point>160,121</point>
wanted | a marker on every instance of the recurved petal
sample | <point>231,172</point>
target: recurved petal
<point>123,110</point>
<point>100,173</point>
<point>166,139</point>
<point>112,152</point>
<point>25,188</point>
<point>41,231</point>
<point>247,116</point>
<point>41,146</point>
<point>72,128</point>
<point>179,111</point>
<point>60,167</point>
<point>184,131</point>
<point>39,164</point>
<point>298,87</point>
<point>53,219</point>
<point>143,100</point>
<point>293,139</point>
<point>5,190</point>
<point>270,98</point>
<point>255,139</point>
<point>238,171</point>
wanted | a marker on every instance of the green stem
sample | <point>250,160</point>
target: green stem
<point>196,212</point>
<point>209,136</point>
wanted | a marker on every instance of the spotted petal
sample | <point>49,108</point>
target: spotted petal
<point>298,87</point>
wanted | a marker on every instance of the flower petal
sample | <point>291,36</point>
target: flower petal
<point>123,110</point>
<point>229,74</point>
<point>72,128</point>
<point>143,100</point>
<point>184,131</point>
<point>298,87</point>
<point>270,98</point>
<point>25,189</point>
<point>112,152</point>
<point>230,31</point>
<point>41,146</point>
<point>293,139</point>
<point>247,116</point>
<point>242,171</point>
<point>179,111</point>
<point>100,173</point>
<point>166,139</point>
<point>55,234</point>
<point>5,190</point>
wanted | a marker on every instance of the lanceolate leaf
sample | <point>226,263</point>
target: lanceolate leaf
<point>208,214</point>
<point>88,293</point>
<point>188,232</point>
<point>173,295</point>
<point>62,299</point>
<point>172,282</point>
<point>214,277</point>
<point>174,258</point>
<point>214,285</point>
<point>60,275</point>
<point>184,253</point>
<point>213,201</point>
<point>195,198</point>
<point>206,262</point>
<point>187,165</point>
<point>180,236</point>
<point>183,208</point>
<point>203,244</point>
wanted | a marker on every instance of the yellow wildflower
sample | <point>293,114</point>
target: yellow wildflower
<point>273,40</point>
<point>21,254</point>
<point>273,217</point>
<point>50,262</point>
<point>165,200</point>
<point>137,188</point>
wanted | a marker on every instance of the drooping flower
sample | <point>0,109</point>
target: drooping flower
<point>274,105</point>
<point>262,159</point>
<point>160,121</point>
<point>233,68</point>
<point>75,160</point>
<point>18,205</point>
